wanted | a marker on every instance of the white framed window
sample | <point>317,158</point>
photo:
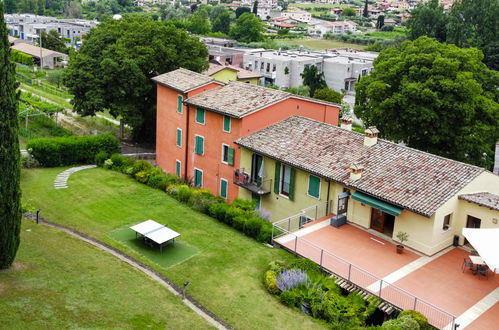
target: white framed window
<point>179,137</point>
<point>199,145</point>
<point>314,187</point>
<point>178,168</point>
<point>447,220</point>
<point>224,188</point>
<point>198,177</point>
<point>285,187</point>
<point>227,154</point>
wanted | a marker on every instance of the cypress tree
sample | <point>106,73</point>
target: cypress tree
<point>10,192</point>
<point>366,10</point>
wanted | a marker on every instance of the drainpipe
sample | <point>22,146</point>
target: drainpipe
<point>327,199</point>
<point>187,139</point>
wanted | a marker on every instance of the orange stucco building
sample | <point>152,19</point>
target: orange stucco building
<point>198,120</point>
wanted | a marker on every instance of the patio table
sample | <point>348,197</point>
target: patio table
<point>476,260</point>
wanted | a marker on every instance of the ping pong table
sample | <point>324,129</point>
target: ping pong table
<point>155,232</point>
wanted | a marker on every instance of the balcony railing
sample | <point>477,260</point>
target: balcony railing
<point>255,185</point>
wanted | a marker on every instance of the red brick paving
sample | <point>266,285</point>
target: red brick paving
<point>487,321</point>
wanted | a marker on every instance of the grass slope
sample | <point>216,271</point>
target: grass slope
<point>225,276</point>
<point>59,282</point>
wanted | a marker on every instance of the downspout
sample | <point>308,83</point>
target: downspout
<point>187,139</point>
<point>327,198</point>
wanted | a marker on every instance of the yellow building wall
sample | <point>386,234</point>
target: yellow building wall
<point>225,75</point>
<point>425,234</point>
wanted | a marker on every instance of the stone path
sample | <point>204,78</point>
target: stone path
<point>475,311</point>
<point>61,181</point>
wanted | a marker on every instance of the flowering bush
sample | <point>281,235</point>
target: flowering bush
<point>291,278</point>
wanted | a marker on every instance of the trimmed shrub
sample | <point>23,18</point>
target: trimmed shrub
<point>252,226</point>
<point>108,163</point>
<point>141,176</point>
<point>239,222</point>
<point>100,158</point>
<point>218,211</point>
<point>265,235</point>
<point>70,150</point>
<point>277,266</point>
<point>244,204</point>
<point>184,193</point>
<point>141,165</point>
<point>157,181</point>
<point>202,199</point>
<point>170,179</point>
<point>231,213</point>
<point>403,323</point>
<point>305,264</point>
<point>290,278</point>
<point>416,316</point>
<point>28,161</point>
<point>289,298</point>
<point>270,281</point>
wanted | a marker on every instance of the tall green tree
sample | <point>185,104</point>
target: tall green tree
<point>255,8</point>
<point>52,40</point>
<point>113,68</point>
<point>222,23</point>
<point>242,10</point>
<point>248,28</point>
<point>198,22</point>
<point>365,13</point>
<point>10,192</point>
<point>313,78</point>
<point>475,23</point>
<point>10,6</point>
<point>434,97</point>
<point>428,19</point>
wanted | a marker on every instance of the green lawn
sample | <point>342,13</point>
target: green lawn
<point>320,43</point>
<point>60,282</point>
<point>226,274</point>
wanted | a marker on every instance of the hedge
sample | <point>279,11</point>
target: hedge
<point>62,151</point>
<point>20,57</point>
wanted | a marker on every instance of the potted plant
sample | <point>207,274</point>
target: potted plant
<point>402,236</point>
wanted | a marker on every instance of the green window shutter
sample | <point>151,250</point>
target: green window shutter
<point>314,184</point>
<point>179,137</point>
<point>198,178</point>
<point>177,168</point>
<point>223,188</point>
<point>226,124</point>
<point>199,146</point>
<point>231,156</point>
<point>292,184</point>
<point>200,116</point>
<point>277,177</point>
<point>179,104</point>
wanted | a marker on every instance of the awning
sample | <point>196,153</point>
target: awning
<point>486,243</point>
<point>377,204</point>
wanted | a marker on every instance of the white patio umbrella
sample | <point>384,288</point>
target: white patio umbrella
<point>486,243</point>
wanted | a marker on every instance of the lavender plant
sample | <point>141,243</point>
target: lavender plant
<point>290,278</point>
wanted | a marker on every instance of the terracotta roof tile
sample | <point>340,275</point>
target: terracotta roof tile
<point>483,199</point>
<point>237,99</point>
<point>406,177</point>
<point>182,79</point>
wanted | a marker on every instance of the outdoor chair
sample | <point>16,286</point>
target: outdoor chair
<point>467,263</point>
<point>483,270</point>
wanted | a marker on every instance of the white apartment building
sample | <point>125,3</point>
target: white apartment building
<point>29,26</point>
<point>300,16</point>
<point>337,27</point>
<point>341,67</point>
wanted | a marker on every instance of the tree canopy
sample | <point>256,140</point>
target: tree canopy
<point>10,191</point>
<point>248,28</point>
<point>329,95</point>
<point>198,22</point>
<point>53,41</point>
<point>115,64</point>
<point>469,23</point>
<point>313,78</point>
<point>222,23</point>
<point>434,97</point>
<point>242,10</point>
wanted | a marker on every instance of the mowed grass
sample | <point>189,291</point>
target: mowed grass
<point>226,274</point>
<point>320,43</point>
<point>60,282</point>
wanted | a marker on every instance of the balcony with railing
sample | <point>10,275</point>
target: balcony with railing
<point>256,185</point>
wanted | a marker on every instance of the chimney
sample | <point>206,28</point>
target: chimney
<point>371,137</point>
<point>346,122</point>
<point>356,170</point>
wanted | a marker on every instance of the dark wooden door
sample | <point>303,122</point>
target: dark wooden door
<point>377,220</point>
<point>472,222</point>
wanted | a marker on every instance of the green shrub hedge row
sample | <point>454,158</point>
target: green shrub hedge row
<point>20,57</point>
<point>62,151</point>
<point>241,214</point>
